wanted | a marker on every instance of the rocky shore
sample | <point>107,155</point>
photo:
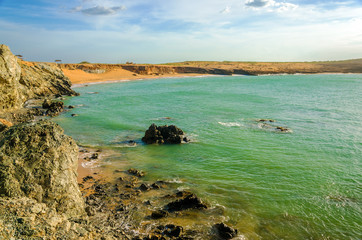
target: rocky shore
<point>40,197</point>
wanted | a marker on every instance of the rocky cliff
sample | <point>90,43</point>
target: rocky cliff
<point>38,161</point>
<point>225,68</point>
<point>20,81</point>
<point>153,69</point>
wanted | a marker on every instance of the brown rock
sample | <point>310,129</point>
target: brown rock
<point>38,161</point>
<point>20,81</point>
<point>164,135</point>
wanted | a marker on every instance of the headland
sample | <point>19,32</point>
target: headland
<point>89,72</point>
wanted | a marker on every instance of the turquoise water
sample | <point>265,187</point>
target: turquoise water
<point>300,185</point>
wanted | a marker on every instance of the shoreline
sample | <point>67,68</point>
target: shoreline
<point>124,78</point>
<point>106,81</point>
<point>80,77</point>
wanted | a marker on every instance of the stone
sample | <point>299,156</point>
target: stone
<point>224,232</point>
<point>265,120</point>
<point>164,135</point>
<point>135,172</point>
<point>88,178</point>
<point>144,187</point>
<point>187,200</point>
<point>172,230</point>
<point>283,129</point>
<point>38,161</point>
<point>53,107</point>
<point>158,214</point>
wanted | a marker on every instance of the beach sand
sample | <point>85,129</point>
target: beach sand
<point>78,76</point>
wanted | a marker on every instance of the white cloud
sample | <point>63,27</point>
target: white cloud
<point>102,11</point>
<point>271,5</point>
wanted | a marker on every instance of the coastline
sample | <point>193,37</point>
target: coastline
<point>117,203</point>
<point>80,78</point>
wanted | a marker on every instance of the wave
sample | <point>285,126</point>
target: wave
<point>230,124</point>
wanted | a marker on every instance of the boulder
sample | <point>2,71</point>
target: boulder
<point>158,214</point>
<point>53,107</point>
<point>187,200</point>
<point>38,161</point>
<point>222,231</point>
<point>20,81</point>
<point>164,135</point>
<point>135,172</point>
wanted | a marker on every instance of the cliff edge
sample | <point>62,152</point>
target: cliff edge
<point>20,81</point>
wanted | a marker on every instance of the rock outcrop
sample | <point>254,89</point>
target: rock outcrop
<point>164,135</point>
<point>38,161</point>
<point>20,81</point>
<point>186,200</point>
<point>224,232</point>
<point>53,108</point>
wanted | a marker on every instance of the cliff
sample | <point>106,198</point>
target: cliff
<point>20,81</point>
<point>98,72</point>
<point>38,161</point>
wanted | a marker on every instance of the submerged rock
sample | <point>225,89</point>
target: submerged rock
<point>164,135</point>
<point>38,161</point>
<point>265,120</point>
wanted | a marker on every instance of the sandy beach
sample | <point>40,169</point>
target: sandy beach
<point>78,76</point>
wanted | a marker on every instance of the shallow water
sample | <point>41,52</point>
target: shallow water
<point>305,184</point>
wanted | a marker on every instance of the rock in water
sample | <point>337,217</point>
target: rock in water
<point>38,161</point>
<point>164,135</point>
<point>224,232</point>
<point>188,200</point>
<point>53,107</point>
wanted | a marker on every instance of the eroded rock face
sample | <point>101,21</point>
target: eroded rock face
<point>20,81</point>
<point>10,72</point>
<point>38,161</point>
<point>164,135</point>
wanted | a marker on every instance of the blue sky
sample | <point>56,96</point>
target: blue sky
<point>159,31</point>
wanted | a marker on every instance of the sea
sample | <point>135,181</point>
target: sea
<point>304,182</point>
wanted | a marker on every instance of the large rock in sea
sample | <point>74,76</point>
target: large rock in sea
<point>164,135</point>
<point>38,161</point>
<point>20,81</point>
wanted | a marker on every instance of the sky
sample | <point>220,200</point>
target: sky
<point>160,31</point>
